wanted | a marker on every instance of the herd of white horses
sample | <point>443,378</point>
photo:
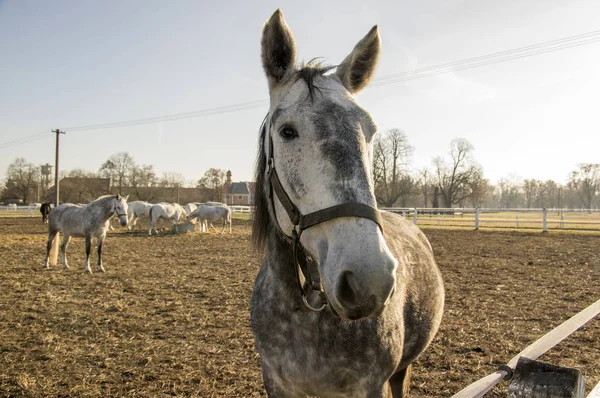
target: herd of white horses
<point>201,213</point>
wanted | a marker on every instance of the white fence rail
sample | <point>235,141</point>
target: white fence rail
<point>534,351</point>
<point>19,211</point>
<point>541,219</point>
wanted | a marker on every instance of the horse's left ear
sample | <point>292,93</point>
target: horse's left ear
<point>118,197</point>
<point>358,68</point>
<point>126,197</point>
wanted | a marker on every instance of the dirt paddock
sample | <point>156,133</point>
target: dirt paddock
<point>170,317</point>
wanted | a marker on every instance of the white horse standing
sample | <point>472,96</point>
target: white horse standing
<point>166,211</point>
<point>89,221</point>
<point>206,213</point>
<point>136,210</point>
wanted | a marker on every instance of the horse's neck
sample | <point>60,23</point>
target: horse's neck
<point>103,211</point>
<point>280,262</point>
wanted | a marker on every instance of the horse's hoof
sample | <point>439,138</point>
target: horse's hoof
<point>88,271</point>
<point>101,270</point>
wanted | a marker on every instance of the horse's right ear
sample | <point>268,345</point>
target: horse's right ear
<point>278,50</point>
<point>118,197</point>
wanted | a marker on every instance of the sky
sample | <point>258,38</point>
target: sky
<point>66,64</point>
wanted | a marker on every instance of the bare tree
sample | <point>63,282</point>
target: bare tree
<point>427,186</point>
<point>118,167</point>
<point>391,158</point>
<point>213,183</point>
<point>479,187</point>
<point>21,179</point>
<point>531,190</point>
<point>586,182</point>
<point>142,179</point>
<point>173,180</point>
<point>510,191</point>
<point>454,175</point>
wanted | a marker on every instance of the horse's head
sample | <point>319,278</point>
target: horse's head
<point>322,151</point>
<point>120,209</point>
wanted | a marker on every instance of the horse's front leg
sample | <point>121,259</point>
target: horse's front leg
<point>274,387</point>
<point>63,248</point>
<point>100,241</point>
<point>88,249</point>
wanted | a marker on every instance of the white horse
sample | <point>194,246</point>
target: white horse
<point>190,207</point>
<point>86,221</point>
<point>206,213</point>
<point>135,211</point>
<point>166,211</point>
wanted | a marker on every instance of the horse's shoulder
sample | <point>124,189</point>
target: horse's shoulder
<point>399,230</point>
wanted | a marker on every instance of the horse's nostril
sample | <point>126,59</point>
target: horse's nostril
<point>347,290</point>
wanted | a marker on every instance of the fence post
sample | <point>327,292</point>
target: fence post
<point>477,219</point>
<point>562,220</point>
<point>544,222</point>
<point>415,216</point>
<point>517,217</point>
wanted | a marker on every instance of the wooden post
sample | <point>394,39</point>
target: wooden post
<point>544,222</point>
<point>517,218</point>
<point>562,220</point>
<point>477,219</point>
<point>534,379</point>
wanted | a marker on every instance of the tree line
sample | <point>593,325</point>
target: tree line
<point>23,182</point>
<point>455,179</point>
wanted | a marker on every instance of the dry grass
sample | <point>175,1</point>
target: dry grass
<point>170,317</point>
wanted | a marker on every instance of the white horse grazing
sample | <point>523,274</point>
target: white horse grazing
<point>135,211</point>
<point>89,221</point>
<point>166,211</point>
<point>206,213</point>
<point>190,207</point>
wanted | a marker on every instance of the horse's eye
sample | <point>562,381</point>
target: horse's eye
<point>288,133</point>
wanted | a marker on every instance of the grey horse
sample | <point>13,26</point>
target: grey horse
<point>346,297</point>
<point>86,221</point>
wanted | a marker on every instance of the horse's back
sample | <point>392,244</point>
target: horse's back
<point>66,217</point>
<point>419,275</point>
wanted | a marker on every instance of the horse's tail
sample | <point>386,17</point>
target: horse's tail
<point>151,208</point>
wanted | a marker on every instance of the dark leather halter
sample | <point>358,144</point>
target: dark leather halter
<point>304,221</point>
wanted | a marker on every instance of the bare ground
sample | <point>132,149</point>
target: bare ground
<point>170,317</point>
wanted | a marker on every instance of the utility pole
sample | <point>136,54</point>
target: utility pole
<point>58,132</point>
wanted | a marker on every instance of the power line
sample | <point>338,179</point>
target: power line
<point>499,54</point>
<point>24,140</point>
<point>468,63</point>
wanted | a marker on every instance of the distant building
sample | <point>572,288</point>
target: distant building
<point>239,193</point>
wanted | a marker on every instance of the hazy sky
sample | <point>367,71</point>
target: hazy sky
<point>74,63</point>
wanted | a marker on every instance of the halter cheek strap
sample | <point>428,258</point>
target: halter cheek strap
<point>301,222</point>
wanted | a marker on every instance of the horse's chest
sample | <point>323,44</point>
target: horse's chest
<point>315,353</point>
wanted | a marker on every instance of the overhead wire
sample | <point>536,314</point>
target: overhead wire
<point>468,63</point>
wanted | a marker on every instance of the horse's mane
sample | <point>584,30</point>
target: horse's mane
<point>103,197</point>
<point>262,224</point>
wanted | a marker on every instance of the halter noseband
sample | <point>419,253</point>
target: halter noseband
<point>301,222</point>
